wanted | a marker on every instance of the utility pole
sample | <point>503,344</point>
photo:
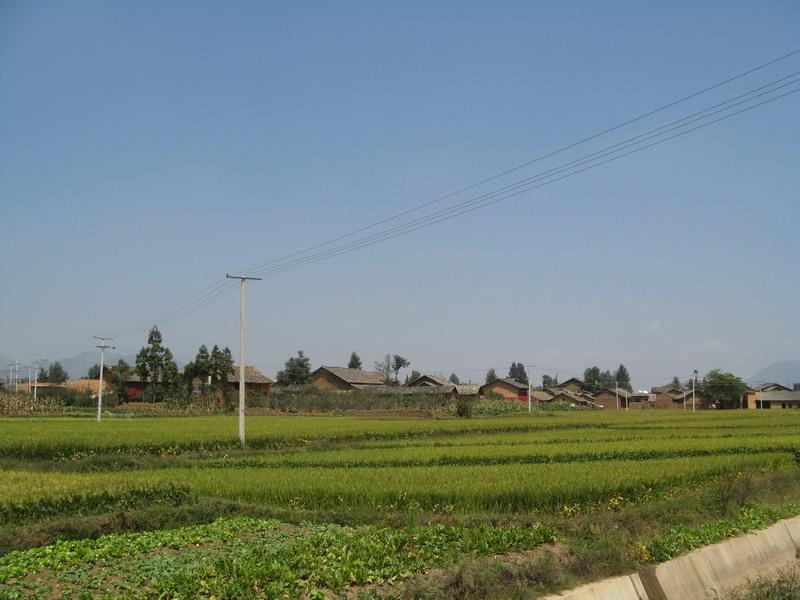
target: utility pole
<point>694,382</point>
<point>103,345</point>
<point>13,374</point>
<point>36,375</point>
<point>530,389</point>
<point>29,378</point>
<point>616,392</point>
<point>242,314</point>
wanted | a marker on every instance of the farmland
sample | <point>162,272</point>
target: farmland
<point>333,505</point>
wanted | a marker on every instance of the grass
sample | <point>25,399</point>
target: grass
<point>378,507</point>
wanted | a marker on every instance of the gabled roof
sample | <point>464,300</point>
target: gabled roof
<point>513,382</point>
<point>621,392</point>
<point>354,376</point>
<point>467,389</point>
<point>577,380</point>
<point>251,375</point>
<point>666,389</point>
<point>435,379</point>
<point>772,387</point>
<point>567,396</point>
<point>542,396</point>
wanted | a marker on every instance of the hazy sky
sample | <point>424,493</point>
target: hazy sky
<point>147,148</point>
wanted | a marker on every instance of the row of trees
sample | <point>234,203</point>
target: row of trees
<point>164,382</point>
<point>55,373</point>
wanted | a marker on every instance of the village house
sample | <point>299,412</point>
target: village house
<point>774,398</point>
<point>582,399</point>
<point>573,384</point>
<point>611,398</point>
<point>509,389</point>
<point>428,382</point>
<point>344,379</point>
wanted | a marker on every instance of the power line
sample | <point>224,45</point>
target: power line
<point>218,289</point>
<point>532,161</point>
<point>489,198</point>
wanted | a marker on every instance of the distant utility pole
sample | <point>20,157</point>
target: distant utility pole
<point>530,388</point>
<point>29,365</point>
<point>103,345</point>
<point>36,375</point>
<point>616,392</point>
<point>242,313</point>
<point>13,374</point>
<point>694,382</point>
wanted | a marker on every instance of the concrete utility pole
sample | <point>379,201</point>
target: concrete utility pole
<point>13,374</point>
<point>530,388</point>
<point>242,313</point>
<point>616,392</point>
<point>103,345</point>
<point>694,382</point>
<point>29,378</point>
<point>36,375</point>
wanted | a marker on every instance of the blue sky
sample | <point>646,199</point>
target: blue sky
<point>148,148</point>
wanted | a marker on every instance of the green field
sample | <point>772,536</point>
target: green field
<point>325,506</point>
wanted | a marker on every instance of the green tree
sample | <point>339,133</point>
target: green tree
<point>150,364</point>
<point>56,373</point>
<point>796,387</point>
<point>297,370</point>
<point>94,372</point>
<point>721,389</point>
<point>119,374</point>
<point>591,379</point>
<point>677,383</point>
<point>454,378</point>
<point>606,380</point>
<point>355,361</point>
<point>622,378</point>
<point>413,376</point>
<point>491,375</point>
<point>398,363</point>
<point>513,372</point>
<point>221,368</point>
<point>517,371</point>
<point>548,381</point>
<point>43,372</point>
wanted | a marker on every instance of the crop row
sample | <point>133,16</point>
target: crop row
<point>65,437</point>
<point>244,558</point>
<point>502,487</point>
<point>532,452</point>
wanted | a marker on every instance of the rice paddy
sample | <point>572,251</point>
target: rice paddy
<point>415,494</point>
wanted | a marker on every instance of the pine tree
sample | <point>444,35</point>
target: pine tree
<point>513,371</point>
<point>454,378</point>
<point>355,361</point>
<point>297,370</point>
<point>491,376</point>
<point>623,378</point>
<point>522,375</point>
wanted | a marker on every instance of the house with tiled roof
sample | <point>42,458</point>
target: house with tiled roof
<point>344,379</point>
<point>507,388</point>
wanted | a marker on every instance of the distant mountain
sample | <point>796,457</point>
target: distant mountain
<point>785,372</point>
